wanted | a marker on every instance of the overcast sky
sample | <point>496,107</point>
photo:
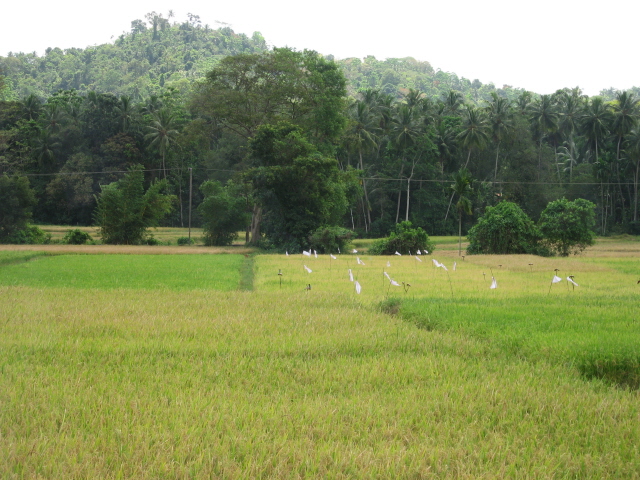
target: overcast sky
<point>540,46</point>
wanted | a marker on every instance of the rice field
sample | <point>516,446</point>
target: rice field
<point>171,376</point>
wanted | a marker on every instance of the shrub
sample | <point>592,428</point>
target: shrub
<point>403,239</point>
<point>224,212</point>
<point>330,239</point>
<point>504,229</point>
<point>567,226</point>
<point>185,241</point>
<point>125,211</point>
<point>77,237</point>
<point>29,235</point>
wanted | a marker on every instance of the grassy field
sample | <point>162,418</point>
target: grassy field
<point>167,375</point>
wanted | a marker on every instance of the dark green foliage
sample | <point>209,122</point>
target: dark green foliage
<point>125,211</point>
<point>29,235</point>
<point>567,226</point>
<point>224,212</point>
<point>504,229</point>
<point>331,239</point>
<point>404,239</point>
<point>299,189</point>
<point>185,241</point>
<point>16,202</point>
<point>77,237</point>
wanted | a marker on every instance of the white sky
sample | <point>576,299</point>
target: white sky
<point>540,46</point>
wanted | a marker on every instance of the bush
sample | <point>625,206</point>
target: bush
<point>567,226</point>
<point>185,241</point>
<point>224,212</point>
<point>29,235</point>
<point>403,239</point>
<point>505,229</point>
<point>330,239</point>
<point>77,237</point>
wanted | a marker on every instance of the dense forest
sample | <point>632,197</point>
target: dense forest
<point>183,98</point>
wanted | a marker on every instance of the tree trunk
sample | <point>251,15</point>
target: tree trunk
<point>460,235</point>
<point>256,219</point>
<point>366,196</point>
<point>495,172</point>
<point>635,192</point>
<point>399,193</point>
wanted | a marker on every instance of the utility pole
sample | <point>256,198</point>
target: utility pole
<point>190,193</point>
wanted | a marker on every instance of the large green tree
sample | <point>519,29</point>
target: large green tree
<point>568,226</point>
<point>245,91</point>
<point>298,189</point>
<point>16,201</point>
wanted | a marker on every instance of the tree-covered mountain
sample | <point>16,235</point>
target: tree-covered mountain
<point>76,120</point>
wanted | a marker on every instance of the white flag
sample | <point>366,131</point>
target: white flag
<point>355,251</point>
<point>455,264</point>
<point>419,253</point>
<point>388,263</point>
<point>426,253</point>
<point>287,253</point>
<point>556,279</point>
<point>333,257</point>
<point>569,279</point>
<point>350,275</point>
<point>307,269</point>
<point>387,275</point>
<point>494,284</point>
<point>315,254</point>
<point>409,252</point>
<point>304,252</point>
<point>358,288</point>
<point>436,262</point>
<point>398,253</point>
<point>394,283</point>
<point>360,262</point>
<point>417,258</point>
<point>443,267</point>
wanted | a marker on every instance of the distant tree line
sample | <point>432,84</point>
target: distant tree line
<point>292,145</point>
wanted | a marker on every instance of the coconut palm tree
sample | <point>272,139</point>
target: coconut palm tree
<point>462,188</point>
<point>405,130</point>
<point>632,149</point>
<point>474,136</point>
<point>544,119</point>
<point>363,128</point>
<point>595,121</point>
<point>501,123</point>
<point>162,134</point>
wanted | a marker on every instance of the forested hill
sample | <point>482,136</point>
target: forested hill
<point>159,53</point>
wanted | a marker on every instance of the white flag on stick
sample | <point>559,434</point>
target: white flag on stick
<point>307,269</point>
<point>350,275</point>
<point>418,258</point>
<point>333,257</point>
<point>426,252</point>
<point>387,275</point>
<point>286,253</point>
<point>355,251</point>
<point>398,253</point>
<point>394,283</point>
<point>494,284</point>
<point>358,288</point>
<point>388,263</point>
<point>315,254</point>
<point>419,253</point>
<point>360,262</point>
<point>443,267</point>
<point>436,262</point>
<point>569,279</point>
<point>304,252</point>
<point>556,279</point>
